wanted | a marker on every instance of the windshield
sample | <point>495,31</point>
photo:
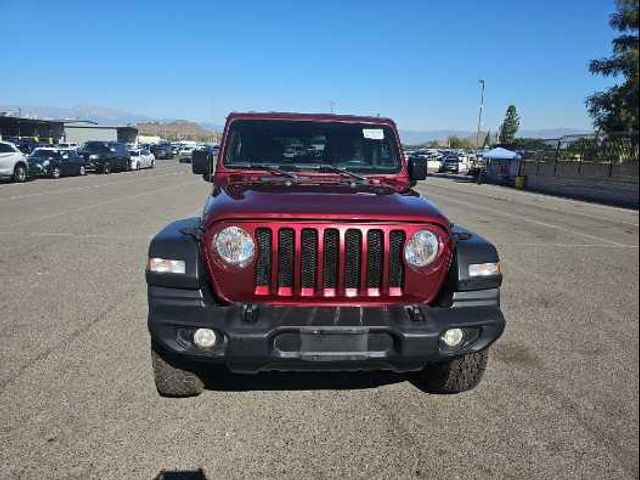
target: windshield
<point>95,147</point>
<point>40,153</point>
<point>298,145</point>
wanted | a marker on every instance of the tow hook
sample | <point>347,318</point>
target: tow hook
<point>250,313</point>
<point>415,313</point>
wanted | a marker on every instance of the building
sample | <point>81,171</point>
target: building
<point>82,131</point>
<point>149,139</point>
<point>16,128</point>
<point>56,131</point>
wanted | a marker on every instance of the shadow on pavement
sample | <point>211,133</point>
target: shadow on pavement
<point>181,475</point>
<point>221,379</point>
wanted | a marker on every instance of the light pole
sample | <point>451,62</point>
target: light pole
<point>332,106</point>
<point>481,110</point>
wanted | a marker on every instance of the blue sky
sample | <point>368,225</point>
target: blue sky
<point>416,61</point>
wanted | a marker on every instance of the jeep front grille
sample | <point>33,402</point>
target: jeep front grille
<point>329,262</point>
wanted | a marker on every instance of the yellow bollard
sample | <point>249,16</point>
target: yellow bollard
<point>521,182</point>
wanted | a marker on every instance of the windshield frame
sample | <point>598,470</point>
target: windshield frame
<point>398,169</point>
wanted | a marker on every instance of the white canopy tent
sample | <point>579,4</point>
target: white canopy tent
<point>501,154</point>
<point>502,163</point>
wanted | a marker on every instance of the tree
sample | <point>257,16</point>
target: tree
<point>510,125</point>
<point>459,143</point>
<point>487,140</point>
<point>616,109</point>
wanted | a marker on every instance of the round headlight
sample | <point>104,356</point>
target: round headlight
<point>235,246</point>
<point>422,249</point>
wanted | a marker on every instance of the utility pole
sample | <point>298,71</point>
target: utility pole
<point>481,110</point>
<point>332,106</point>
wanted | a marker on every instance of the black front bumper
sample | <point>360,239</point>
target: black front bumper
<point>37,170</point>
<point>260,338</point>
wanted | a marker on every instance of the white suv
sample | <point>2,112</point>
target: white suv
<point>13,163</point>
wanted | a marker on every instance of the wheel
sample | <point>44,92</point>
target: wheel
<point>170,379</point>
<point>56,172</point>
<point>82,171</point>
<point>153,164</point>
<point>135,166</point>
<point>20,173</point>
<point>455,376</point>
<point>106,168</point>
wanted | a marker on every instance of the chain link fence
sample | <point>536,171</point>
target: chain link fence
<point>597,155</point>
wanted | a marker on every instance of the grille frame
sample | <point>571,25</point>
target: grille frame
<point>419,286</point>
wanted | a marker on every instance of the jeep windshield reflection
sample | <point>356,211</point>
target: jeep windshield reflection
<point>305,145</point>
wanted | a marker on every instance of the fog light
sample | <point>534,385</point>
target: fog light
<point>205,338</point>
<point>453,337</point>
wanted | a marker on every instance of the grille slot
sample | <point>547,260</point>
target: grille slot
<point>309,258</point>
<point>396,266</point>
<point>330,260</point>
<point>263,262</point>
<point>285,257</point>
<point>353,249</point>
<point>374,258</point>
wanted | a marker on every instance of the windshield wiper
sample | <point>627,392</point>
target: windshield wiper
<point>342,171</point>
<point>273,169</point>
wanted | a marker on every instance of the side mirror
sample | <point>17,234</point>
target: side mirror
<point>201,164</point>
<point>417,169</point>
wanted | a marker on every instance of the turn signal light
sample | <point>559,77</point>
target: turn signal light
<point>484,269</point>
<point>165,265</point>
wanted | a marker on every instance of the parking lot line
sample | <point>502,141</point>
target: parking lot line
<point>521,218</point>
<point>89,187</point>
<point>101,204</point>
<point>523,196</point>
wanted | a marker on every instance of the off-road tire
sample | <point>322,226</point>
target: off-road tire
<point>455,376</point>
<point>20,173</point>
<point>56,172</point>
<point>172,380</point>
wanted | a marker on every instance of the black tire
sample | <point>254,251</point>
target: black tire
<point>56,172</point>
<point>172,380</point>
<point>455,376</point>
<point>20,173</point>
<point>106,168</point>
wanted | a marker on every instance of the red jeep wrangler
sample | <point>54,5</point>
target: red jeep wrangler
<point>314,252</point>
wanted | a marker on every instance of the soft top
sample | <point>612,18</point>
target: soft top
<point>310,117</point>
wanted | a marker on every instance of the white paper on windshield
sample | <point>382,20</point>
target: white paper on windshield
<point>373,133</point>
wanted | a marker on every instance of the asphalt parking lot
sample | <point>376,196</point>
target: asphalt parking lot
<point>77,400</point>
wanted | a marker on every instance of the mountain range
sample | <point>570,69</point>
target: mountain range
<point>113,116</point>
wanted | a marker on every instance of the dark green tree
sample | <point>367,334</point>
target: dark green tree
<point>456,142</point>
<point>616,109</point>
<point>509,126</point>
<point>487,140</point>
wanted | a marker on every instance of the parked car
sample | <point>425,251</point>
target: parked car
<point>55,163</point>
<point>184,155</point>
<point>141,158</point>
<point>451,164</point>
<point>73,146</point>
<point>13,163</point>
<point>162,151</point>
<point>28,145</point>
<point>325,261</point>
<point>106,157</point>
